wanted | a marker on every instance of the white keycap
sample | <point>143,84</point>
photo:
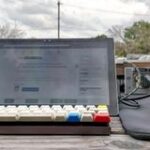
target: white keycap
<point>37,111</point>
<point>68,108</point>
<point>47,110</point>
<point>12,111</point>
<point>7,117</point>
<point>46,117</point>
<point>60,116</point>
<point>2,107</point>
<point>25,116</point>
<point>40,117</point>
<point>3,111</point>
<point>90,106</point>
<point>79,106</point>
<point>56,107</point>
<point>24,111</point>
<point>22,108</point>
<point>80,109</point>
<point>86,118</point>
<point>34,107</point>
<point>93,109</point>
<point>45,107</point>
<point>11,107</point>
<point>89,112</point>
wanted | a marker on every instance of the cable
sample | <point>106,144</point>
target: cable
<point>138,98</point>
<point>132,102</point>
<point>139,81</point>
<point>130,93</point>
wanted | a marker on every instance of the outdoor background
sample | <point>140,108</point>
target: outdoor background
<point>127,21</point>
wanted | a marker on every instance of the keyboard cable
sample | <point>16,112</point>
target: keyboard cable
<point>125,99</point>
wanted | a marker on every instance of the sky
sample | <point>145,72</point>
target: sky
<point>78,18</point>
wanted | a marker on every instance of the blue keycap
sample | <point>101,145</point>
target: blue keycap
<point>73,117</point>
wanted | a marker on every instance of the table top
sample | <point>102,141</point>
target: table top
<point>117,141</point>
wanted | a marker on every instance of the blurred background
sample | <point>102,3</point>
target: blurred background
<point>127,21</point>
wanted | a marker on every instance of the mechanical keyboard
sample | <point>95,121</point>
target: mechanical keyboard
<point>55,119</point>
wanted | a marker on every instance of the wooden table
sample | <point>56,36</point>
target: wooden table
<point>117,141</point>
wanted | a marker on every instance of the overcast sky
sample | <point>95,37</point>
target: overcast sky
<point>79,18</point>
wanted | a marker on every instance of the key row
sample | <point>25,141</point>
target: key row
<point>55,113</point>
<point>58,117</point>
<point>67,108</point>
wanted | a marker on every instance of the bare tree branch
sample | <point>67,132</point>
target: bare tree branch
<point>117,32</point>
<point>7,31</point>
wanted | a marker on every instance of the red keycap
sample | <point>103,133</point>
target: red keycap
<point>101,117</point>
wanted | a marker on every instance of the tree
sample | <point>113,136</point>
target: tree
<point>133,39</point>
<point>117,32</point>
<point>7,31</point>
<point>102,36</point>
<point>120,49</point>
<point>138,36</point>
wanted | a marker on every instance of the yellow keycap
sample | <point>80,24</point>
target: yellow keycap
<point>102,106</point>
